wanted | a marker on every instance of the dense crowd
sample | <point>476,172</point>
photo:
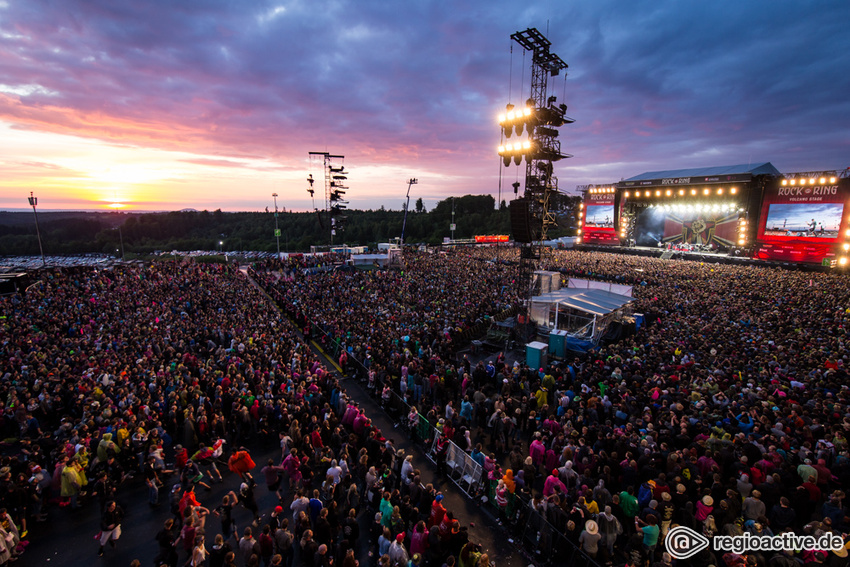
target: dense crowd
<point>162,375</point>
<point>726,413</point>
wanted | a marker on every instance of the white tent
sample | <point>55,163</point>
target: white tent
<point>583,313</point>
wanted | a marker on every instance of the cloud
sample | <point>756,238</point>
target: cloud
<point>652,86</point>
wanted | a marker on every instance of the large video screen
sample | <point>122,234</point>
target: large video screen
<point>804,220</point>
<point>600,216</point>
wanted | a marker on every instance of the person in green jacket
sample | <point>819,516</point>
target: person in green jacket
<point>629,503</point>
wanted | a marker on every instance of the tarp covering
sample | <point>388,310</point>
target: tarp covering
<point>593,301</point>
<point>604,286</point>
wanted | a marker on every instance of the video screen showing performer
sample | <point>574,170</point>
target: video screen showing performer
<point>601,216</point>
<point>804,220</point>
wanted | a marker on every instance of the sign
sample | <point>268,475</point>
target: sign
<point>491,238</point>
<point>452,226</point>
<point>277,232</point>
<point>803,223</point>
<point>695,180</point>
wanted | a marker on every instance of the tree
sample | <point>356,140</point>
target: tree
<point>420,206</point>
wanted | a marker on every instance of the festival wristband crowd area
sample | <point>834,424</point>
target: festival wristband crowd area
<point>726,413</point>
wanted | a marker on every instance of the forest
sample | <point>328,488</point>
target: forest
<point>141,233</point>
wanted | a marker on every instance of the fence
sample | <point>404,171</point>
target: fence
<point>539,540</point>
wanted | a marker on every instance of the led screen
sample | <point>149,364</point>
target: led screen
<point>600,215</point>
<point>804,220</point>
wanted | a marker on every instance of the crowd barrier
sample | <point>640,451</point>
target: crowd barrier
<point>540,541</point>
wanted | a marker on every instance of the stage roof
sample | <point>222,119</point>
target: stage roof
<point>594,301</point>
<point>765,168</point>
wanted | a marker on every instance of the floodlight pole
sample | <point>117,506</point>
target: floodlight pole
<point>34,201</point>
<point>276,229</point>
<point>410,183</point>
<point>121,240</point>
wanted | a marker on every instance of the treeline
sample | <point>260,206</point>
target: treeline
<point>205,230</point>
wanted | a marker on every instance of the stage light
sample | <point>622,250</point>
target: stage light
<point>501,149</point>
<point>832,180</point>
<point>668,193</point>
<point>715,208</point>
<point>822,180</point>
<point>681,192</point>
<point>581,205</point>
<point>842,261</point>
<point>793,182</point>
<point>627,193</point>
<point>693,191</point>
<point>847,233</point>
<point>733,190</point>
<point>812,181</point>
<point>580,223</point>
<point>741,241</point>
<point>784,182</point>
<point>705,191</point>
<point>658,193</point>
<point>526,111</point>
<point>578,240</point>
<point>579,231</point>
<point>720,191</point>
<point>846,246</point>
<point>526,145</point>
<point>637,193</point>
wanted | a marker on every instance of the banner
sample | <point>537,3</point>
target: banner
<point>803,222</point>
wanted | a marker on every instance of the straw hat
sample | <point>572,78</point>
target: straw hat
<point>708,500</point>
<point>666,496</point>
<point>591,527</point>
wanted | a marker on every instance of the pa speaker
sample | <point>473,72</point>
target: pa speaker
<point>521,221</point>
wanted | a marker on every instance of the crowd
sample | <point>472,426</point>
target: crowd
<point>726,413</point>
<point>165,375</point>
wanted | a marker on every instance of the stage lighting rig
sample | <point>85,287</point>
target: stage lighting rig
<point>539,117</point>
<point>335,189</point>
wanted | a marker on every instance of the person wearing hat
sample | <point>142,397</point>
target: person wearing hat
<point>753,508</point>
<point>666,509</point>
<point>589,539</point>
<point>397,552</point>
<point>704,508</point>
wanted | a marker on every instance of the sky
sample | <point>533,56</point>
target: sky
<point>216,104</point>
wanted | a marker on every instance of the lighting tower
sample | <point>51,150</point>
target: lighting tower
<point>276,229</point>
<point>33,201</point>
<point>540,117</point>
<point>335,188</point>
<point>410,184</point>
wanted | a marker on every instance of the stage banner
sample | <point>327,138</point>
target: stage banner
<point>803,222</point>
<point>717,229</point>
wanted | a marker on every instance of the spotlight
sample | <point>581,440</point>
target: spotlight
<point>832,180</point>
<point>812,181</point>
<point>793,182</point>
<point>720,191</point>
<point>784,182</point>
<point>842,261</point>
<point>705,191</point>
<point>822,180</point>
<point>681,192</point>
<point>733,190</point>
<point>846,246</point>
<point>658,193</point>
<point>741,241</point>
<point>627,193</point>
<point>693,191</point>
<point>668,193</point>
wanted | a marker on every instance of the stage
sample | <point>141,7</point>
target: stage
<point>708,257</point>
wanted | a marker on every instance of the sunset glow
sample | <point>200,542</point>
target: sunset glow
<point>149,107</point>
